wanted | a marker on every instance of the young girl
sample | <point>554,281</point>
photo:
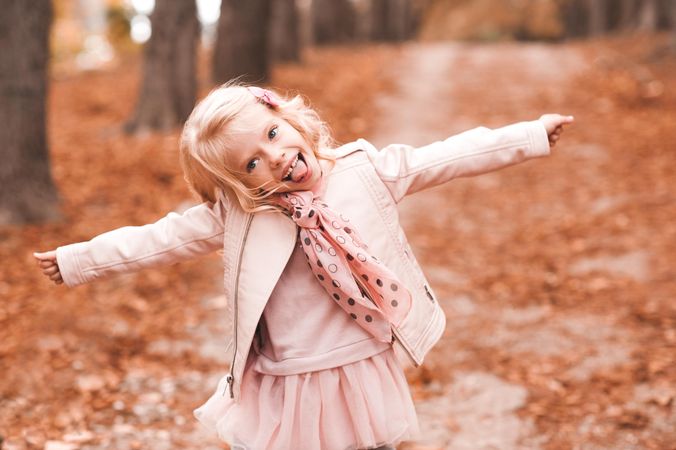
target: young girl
<point>320,280</point>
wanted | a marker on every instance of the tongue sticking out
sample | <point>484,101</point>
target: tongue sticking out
<point>299,171</point>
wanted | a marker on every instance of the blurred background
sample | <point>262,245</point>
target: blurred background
<point>557,276</point>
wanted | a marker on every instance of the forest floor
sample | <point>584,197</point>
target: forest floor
<point>557,276</point>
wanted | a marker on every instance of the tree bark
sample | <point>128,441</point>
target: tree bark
<point>28,193</point>
<point>628,9</point>
<point>673,26</point>
<point>284,31</point>
<point>169,85</point>
<point>333,21</point>
<point>597,17</point>
<point>647,18</point>
<point>390,20</point>
<point>241,49</point>
<point>576,18</point>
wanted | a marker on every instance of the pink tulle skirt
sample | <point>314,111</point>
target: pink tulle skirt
<point>361,405</point>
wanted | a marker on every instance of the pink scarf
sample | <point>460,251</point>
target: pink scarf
<point>367,290</point>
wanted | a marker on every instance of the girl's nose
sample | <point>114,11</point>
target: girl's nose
<point>277,158</point>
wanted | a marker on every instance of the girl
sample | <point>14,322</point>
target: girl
<point>320,280</point>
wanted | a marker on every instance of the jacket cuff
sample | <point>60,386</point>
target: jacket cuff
<point>537,136</point>
<point>69,266</point>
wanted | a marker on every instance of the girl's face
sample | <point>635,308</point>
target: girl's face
<point>273,153</point>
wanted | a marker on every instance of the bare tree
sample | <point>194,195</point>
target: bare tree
<point>598,19</point>
<point>27,193</point>
<point>169,85</point>
<point>628,11</point>
<point>672,14</point>
<point>333,21</point>
<point>391,20</point>
<point>284,31</point>
<point>648,15</point>
<point>575,17</point>
<point>241,48</point>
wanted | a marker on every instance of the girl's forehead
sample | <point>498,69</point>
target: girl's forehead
<point>244,132</point>
<point>251,119</point>
<point>248,126</point>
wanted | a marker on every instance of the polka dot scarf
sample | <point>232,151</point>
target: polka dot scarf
<point>357,281</point>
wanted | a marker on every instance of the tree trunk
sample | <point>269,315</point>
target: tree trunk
<point>647,17</point>
<point>333,21</point>
<point>284,31</point>
<point>575,17</point>
<point>241,48</point>
<point>597,17</point>
<point>673,26</point>
<point>378,15</point>
<point>27,193</point>
<point>169,85</point>
<point>390,20</point>
<point>627,19</point>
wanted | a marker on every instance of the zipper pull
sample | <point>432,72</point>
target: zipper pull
<point>228,382</point>
<point>429,294</point>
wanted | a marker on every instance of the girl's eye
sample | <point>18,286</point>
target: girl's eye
<point>273,133</point>
<point>252,165</point>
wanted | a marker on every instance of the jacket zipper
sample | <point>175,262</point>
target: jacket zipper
<point>395,332</point>
<point>409,352</point>
<point>230,378</point>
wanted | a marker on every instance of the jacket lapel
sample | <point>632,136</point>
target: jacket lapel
<point>267,248</point>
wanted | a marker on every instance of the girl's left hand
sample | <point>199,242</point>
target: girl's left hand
<point>49,265</point>
<point>554,125</point>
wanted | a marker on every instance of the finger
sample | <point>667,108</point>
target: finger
<point>45,264</point>
<point>54,277</point>
<point>50,255</point>
<point>50,270</point>
<point>59,282</point>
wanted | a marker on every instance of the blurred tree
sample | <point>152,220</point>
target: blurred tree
<point>333,21</point>
<point>169,85</point>
<point>628,12</point>
<point>575,17</point>
<point>647,16</point>
<point>391,20</point>
<point>597,23</point>
<point>672,14</point>
<point>241,48</point>
<point>284,31</point>
<point>28,193</point>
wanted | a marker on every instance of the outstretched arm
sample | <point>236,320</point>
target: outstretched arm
<point>405,169</point>
<point>173,238</point>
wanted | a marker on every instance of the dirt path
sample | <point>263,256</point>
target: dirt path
<point>512,350</point>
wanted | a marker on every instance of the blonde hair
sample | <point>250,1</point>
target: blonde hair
<point>204,141</point>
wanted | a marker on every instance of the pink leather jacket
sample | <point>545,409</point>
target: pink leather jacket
<point>365,185</point>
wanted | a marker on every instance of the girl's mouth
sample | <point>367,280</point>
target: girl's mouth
<point>298,170</point>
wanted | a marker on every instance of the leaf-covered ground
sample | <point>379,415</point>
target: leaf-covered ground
<point>557,276</point>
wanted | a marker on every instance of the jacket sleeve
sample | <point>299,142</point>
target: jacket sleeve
<point>174,238</point>
<point>406,170</point>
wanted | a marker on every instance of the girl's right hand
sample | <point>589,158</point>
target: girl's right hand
<point>554,125</point>
<point>47,261</point>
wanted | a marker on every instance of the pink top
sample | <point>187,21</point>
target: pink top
<point>304,330</point>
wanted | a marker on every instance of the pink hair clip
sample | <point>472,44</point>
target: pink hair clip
<point>267,97</point>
